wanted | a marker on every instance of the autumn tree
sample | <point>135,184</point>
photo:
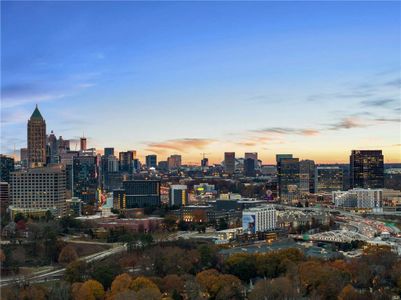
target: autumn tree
<point>121,283</point>
<point>142,282</point>
<point>278,288</point>
<point>67,255</point>
<point>171,283</point>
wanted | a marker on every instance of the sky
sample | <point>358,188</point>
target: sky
<point>316,79</point>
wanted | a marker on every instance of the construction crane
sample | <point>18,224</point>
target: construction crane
<point>204,154</point>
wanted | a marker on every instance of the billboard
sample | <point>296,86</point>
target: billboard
<point>248,223</point>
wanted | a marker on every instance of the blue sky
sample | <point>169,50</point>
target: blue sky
<point>313,78</point>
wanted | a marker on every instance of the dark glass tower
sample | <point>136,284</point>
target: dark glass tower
<point>366,169</point>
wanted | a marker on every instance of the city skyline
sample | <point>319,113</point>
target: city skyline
<point>260,78</point>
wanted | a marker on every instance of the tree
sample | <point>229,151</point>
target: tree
<point>59,291</point>
<point>349,293</point>
<point>170,223</point>
<point>142,282</point>
<point>121,283</point>
<point>76,271</point>
<point>105,274</point>
<point>172,284</point>
<point>95,287</point>
<point>279,288</point>
<point>241,265</point>
<point>67,255</point>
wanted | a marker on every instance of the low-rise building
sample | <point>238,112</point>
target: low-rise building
<point>359,198</point>
<point>259,219</point>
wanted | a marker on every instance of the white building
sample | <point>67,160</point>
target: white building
<point>260,218</point>
<point>359,198</point>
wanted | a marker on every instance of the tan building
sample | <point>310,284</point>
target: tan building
<point>35,191</point>
<point>36,140</point>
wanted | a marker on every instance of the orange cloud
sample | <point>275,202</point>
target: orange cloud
<point>178,145</point>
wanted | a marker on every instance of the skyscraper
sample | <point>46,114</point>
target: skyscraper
<point>287,177</point>
<point>174,161</point>
<point>83,145</point>
<point>36,140</point>
<point>6,167</point>
<point>249,167</point>
<point>307,176</point>
<point>127,161</point>
<point>108,151</point>
<point>138,193</point>
<point>151,161</point>
<point>367,169</point>
<point>205,162</point>
<point>229,162</point>
<point>329,179</point>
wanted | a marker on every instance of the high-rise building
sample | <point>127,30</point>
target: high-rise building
<point>6,167</point>
<point>35,191</point>
<point>127,161</point>
<point>259,219</point>
<point>82,143</point>
<point>229,162</point>
<point>138,193</point>
<point>253,155</point>
<point>249,167</point>
<point>178,195</point>
<point>4,197</point>
<point>162,165</point>
<point>366,169</point>
<point>151,161</point>
<point>108,151</point>
<point>174,161</point>
<point>24,157</point>
<point>85,178</point>
<point>287,177</point>
<point>205,162</point>
<point>328,179</point>
<point>36,140</point>
<point>307,176</point>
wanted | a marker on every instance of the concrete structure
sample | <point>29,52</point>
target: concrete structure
<point>359,198</point>
<point>39,189</point>
<point>259,219</point>
<point>36,140</point>
<point>178,195</point>
<point>229,162</point>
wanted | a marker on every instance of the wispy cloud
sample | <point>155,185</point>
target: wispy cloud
<point>179,145</point>
<point>347,123</point>
<point>287,130</point>
<point>378,102</point>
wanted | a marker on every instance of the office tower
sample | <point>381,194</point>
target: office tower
<point>178,195</point>
<point>253,155</point>
<point>108,151</point>
<point>111,177</point>
<point>249,167</point>
<point>162,165</point>
<point>359,198</point>
<point>138,193</point>
<point>259,219</point>
<point>36,140</point>
<point>35,191</point>
<point>287,177</point>
<point>328,179</point>
<point>82,143</point>
<point>127,161</point>
<point>136,165</point>
<point>24,157</point>
<point>174,161</point>
<point>151,161</point>
<point>6,167</point>
<point>367,169</point>
<point>4,197</point>
<point>85,178</point>
<point>229,162</point>
<point>205,162</point>
<point>307,176</point>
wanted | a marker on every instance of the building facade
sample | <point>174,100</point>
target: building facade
<point>178,195</point>
<point>137,193</point>
<point>367,169</point>
<point>151,161</point>
<point>36,140</point>
<point>6,167</point>
<point>329,179</point>
<point>287,177</point>
<point>229,162</point>
<point>359,198</point>
<point>259,219</point>
<point>39,190</point>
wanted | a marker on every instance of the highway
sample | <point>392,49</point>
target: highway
<point>42,276</point>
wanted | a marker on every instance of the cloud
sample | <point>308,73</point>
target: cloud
<point>395,82</point>
<point>347,123</point>
<point>378,102</point>
<point>388,120</point>
<point>179,145</point>
<point>287,130</point>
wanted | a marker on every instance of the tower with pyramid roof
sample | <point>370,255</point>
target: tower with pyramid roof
<point>36,140</point>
